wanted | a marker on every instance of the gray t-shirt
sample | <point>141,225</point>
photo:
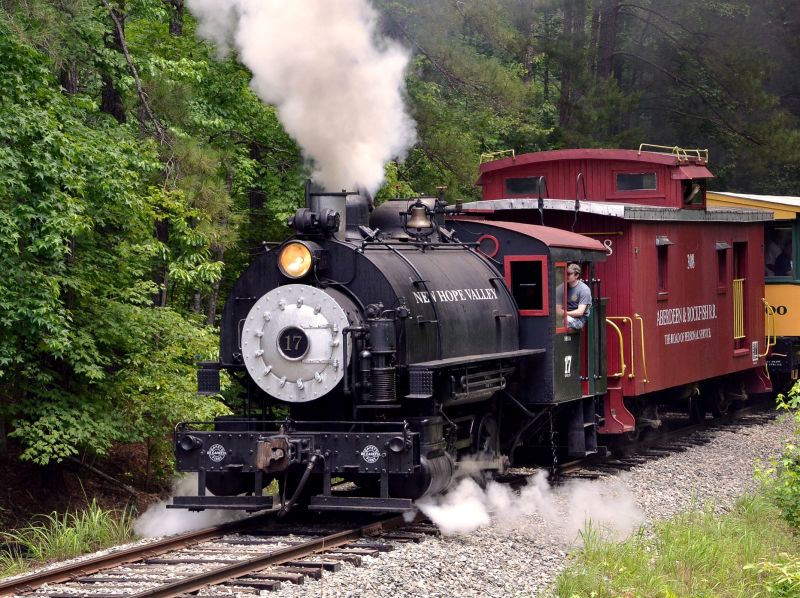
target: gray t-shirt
<point>577,295</point>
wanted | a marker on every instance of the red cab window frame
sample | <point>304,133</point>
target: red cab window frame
<point>508,260</point>
<point>563,328</point>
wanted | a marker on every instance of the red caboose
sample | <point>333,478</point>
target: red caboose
<point>684,282</point>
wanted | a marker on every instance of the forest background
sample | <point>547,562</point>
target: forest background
<point>139,173</point>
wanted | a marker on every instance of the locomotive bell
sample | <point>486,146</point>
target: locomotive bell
<point>419,217</point>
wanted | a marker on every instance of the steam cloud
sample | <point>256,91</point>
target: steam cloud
<point>337,87</point>
<point>609,507</point>
<point>158,520</point>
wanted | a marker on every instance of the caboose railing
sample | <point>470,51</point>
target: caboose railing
<point>621,373</point>
<point>644,353</point>
<point>769,328</point>
<point>643,358</point>
<point>628,321</point>
<point>490,156</point>
<point>738,308</point>
<point>682,153</point>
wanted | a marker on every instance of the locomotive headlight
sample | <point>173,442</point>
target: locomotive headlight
<point>295,259</point>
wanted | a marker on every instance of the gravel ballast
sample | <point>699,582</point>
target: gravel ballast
<point>520,552</point>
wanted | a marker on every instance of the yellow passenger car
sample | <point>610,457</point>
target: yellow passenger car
<point>781,249</point>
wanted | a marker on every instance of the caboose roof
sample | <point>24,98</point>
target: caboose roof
<point>623,210</point>
<point>552,237</point>
<point>691,166</point>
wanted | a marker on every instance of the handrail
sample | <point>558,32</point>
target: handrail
<point>769,325</point>
<point>633,360</point>
<point>490,156</point>
<point>621,350</point>
<point>644,354</point>
<point>738,308</point>
<point>681,152</point>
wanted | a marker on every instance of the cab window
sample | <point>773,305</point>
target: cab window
<point>526,276</point>
<point>560,312</point>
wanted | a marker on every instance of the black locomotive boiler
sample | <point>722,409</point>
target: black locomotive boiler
<point>376,347</point>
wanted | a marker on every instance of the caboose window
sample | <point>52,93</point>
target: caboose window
<point>662,269</point>
<point>722,267</point>
<point>526,276</point>
<point>636,181</point>
<point>778,249</point>
<point>524,186</point>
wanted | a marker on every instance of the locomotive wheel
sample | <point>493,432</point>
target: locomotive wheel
<point>634,435</point>
<point>697,409</point>
<point>487,439</point>
<point>720,404</point>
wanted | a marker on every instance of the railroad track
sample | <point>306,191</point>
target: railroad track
<point>247,556</point>
<point>259,554</point>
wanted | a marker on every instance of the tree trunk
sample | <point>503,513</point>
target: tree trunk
<point>176,17</point>
<point>592,53</point>
<point>69,78</point>
<point>257,195</point>
<point>161,274</point>
<point>607,38</point>
<point>196,302</point>
<point>111,98</point>
<point>566,67</point>
<point>3,439</point>
<point>211,315</point>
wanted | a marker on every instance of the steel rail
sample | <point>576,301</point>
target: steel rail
<point>136,553</point>
<point>242,568</point>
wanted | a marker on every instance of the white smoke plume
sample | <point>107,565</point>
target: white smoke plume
<point>564,511</point>
<point>337,87</point>
<point>158,520</point>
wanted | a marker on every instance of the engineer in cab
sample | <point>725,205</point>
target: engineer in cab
<point>579,299</point>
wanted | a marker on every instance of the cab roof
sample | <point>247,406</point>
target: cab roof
<point>552,237</point>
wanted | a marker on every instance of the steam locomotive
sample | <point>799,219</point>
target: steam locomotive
<point>377,348</point>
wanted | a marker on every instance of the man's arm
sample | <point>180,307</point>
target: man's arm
<point>578,311</point>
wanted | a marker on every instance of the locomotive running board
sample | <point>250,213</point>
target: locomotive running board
<point>360,503</point>
<point>238,503</point>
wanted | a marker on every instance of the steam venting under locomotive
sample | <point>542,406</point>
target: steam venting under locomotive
<point>368,346</point>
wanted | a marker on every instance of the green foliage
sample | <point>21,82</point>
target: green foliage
<point>781,577</point>
<point>393,186</point>
<point>695,554</point>
<point>781,477</point>
<point>470,89</point>
<point>64,536</point>
<point>11,564</point>
<point>77,244</point>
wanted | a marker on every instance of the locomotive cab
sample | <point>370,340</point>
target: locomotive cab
<point>566,380</point>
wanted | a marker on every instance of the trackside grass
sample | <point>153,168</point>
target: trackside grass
<point>60,537</point>
<point>749,552</point>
